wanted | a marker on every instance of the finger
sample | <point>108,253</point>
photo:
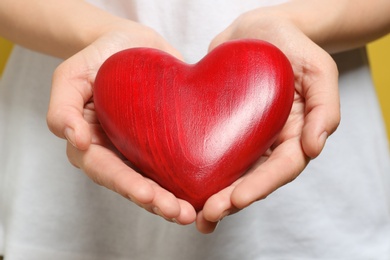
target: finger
<point>185,216</point>
<point>204,226</point>
<point>215,209</point>
<point>219,39</point>
<point>219,205</point>
<point>286,162</point>
<point>166,205</point>
<point>320,91</point>
<point>187,213</point>
<point>106,169</point>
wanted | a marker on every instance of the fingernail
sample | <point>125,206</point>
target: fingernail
<point>157,211</point>
<point>70,136</point>
<point>133,200</point>
<point>322,138</point>
<point>224,214</point>
<point>216,226</point>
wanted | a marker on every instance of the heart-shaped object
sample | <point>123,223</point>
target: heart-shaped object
<point>197,128</point>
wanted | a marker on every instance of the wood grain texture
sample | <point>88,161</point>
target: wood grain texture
<point>195,129</point>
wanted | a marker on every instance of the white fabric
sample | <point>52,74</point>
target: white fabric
<point>337,209</point>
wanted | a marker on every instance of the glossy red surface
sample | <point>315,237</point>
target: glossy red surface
<point>195,128</point>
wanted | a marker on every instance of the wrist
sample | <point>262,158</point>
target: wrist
<point>337,25</point>
<point>298,14</point>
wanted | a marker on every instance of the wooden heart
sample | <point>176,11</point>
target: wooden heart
<point>195,128</point>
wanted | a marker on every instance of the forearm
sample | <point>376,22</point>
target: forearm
<point>337,25</point>
<point>58,28</point>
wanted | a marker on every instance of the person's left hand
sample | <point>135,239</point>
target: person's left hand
<point>314,116</point>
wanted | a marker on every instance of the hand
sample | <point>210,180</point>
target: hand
<point>72,116</point>
<point>315,114</point>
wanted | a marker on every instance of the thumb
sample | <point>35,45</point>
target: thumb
<point>219,39</point>
<point>65,117</point>
<point>323,109</point>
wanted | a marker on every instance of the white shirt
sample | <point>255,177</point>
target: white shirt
<point>338,208</point>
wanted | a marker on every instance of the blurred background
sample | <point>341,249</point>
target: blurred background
<point>379,56</point>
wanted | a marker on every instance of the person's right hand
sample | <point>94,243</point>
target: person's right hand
<point>71,115</point>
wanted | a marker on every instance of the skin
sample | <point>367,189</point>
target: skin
<point>91,35</point>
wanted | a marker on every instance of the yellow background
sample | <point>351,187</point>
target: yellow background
<point>5,48</point>
<point>379,55</point>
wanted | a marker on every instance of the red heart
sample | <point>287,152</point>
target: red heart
<point>195,129</point>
